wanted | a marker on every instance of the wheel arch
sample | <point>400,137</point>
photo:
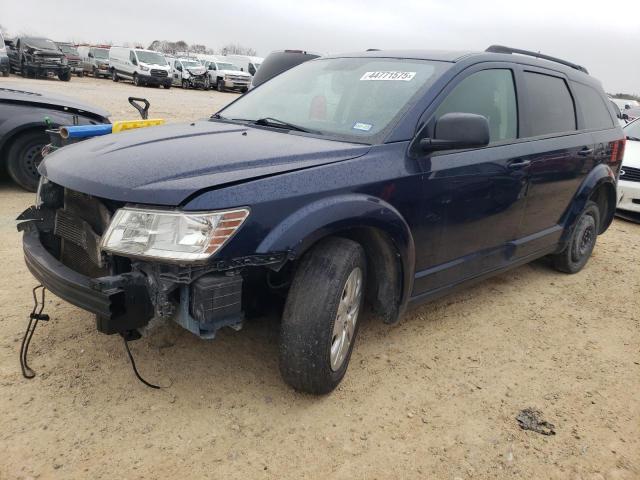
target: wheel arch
<point>375,224</point>
<point>598,186</point>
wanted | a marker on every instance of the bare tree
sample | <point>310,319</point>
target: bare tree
<point>237,49</point>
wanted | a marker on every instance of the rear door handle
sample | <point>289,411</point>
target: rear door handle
<point>516,164</point>
<point>585,151</point>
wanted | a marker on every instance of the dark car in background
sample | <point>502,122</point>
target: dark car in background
<point>4,58</point>
<point>280,61</point>
<point>385,178</point>
<point>73,57</point>
<point>25,115</point>
<point>38,57</point>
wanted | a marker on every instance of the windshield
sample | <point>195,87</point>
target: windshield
<point>150,57</point>
<point>352,98</point>
<point>42,43</point>
<point>68,49</point>
<point>227,66</point>
<point>632,130</point>
<point>101,53</point>
<point>190,63</point>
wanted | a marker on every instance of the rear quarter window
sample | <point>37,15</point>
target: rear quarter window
<point>551,109</point>
<point>595,113</point>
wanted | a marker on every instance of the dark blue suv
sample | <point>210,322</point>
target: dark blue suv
<point>384,178</point>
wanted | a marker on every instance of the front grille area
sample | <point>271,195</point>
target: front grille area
<point>158,73</point>
<point>630,174</point>
<point>79,226</point>
<point>237,78</point>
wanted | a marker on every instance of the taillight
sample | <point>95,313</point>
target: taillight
<point>617,150</point>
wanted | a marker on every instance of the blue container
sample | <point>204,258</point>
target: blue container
<point>84,131</point>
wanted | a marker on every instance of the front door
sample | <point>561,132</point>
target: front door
<point>476,195</point>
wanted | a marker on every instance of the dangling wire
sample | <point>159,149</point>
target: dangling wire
<point>35,316</point>
<point>133,364</point>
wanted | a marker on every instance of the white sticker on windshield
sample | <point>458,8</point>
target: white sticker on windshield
<point>397,76</point>
<point>365,127</point>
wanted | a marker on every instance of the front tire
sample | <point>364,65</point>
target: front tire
<point>24,156</point>
<point>320,319</point>
<point>185,84</point>
<point>136,80</point>
<point>114,76</point>
<point>220,85</point>
<point>582,241</point>
<point>65,77</point>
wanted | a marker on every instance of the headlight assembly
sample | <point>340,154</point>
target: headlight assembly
<point>171,235</point>
<point>144,68</point>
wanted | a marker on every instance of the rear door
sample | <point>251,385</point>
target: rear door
<point>560,156</point>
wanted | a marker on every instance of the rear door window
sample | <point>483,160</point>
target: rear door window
<point>551,108</point>
<point>490,93</point>
<point>595,114</point>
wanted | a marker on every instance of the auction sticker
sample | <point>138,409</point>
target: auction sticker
<point>365,127</point>
<point>395,76</point>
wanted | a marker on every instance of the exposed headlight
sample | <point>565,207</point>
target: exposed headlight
<point>144,68</point>
<point>64,60</point>
<point>171,235</point>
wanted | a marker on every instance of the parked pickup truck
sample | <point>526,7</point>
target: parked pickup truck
<point>378,179</point>
<point>224,75</point>
<point>35,57</point>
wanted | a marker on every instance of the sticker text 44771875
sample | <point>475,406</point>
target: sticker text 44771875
<point>397,76</point>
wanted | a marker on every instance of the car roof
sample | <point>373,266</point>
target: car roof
<point>453,56</point>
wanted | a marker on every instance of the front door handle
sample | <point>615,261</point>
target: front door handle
<point>585,151</point>
<point>517,164</point>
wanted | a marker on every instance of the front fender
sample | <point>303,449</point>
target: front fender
<point>601,175</point>
<point>327,216</point>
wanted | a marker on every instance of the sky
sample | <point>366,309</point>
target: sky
<point>602,36</point>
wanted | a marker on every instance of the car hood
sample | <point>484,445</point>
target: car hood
<point>234,72</point>
<point>13,93</point>
<point>196,70</point>
<point>631,154</point>
<point>49,52</point>
<point>166,165</point>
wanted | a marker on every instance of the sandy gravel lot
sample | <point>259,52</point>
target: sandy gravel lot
<point>434,397</point>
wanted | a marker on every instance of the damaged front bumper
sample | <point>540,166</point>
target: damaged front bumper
<point>120,303</point>
<point>201,299</point>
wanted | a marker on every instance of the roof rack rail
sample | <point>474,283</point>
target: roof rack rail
<point>503,49</point>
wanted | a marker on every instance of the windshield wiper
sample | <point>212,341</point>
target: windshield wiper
<point>268,122</point>
<point>635,139</point>
<point>274,122</point>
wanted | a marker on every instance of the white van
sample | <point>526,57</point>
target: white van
<point>188,73</point>
<point>142,67</point>
<point>225,75</point>
<point>95,60</point>
<point>246,63</point>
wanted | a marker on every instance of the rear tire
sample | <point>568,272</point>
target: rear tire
<point>24,156</point>
<point>320,319</point>
<point>581,243</point>
<point>5,74</point>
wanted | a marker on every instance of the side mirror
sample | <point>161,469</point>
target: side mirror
<point>179,68</point>
<point>625,116</point>
<point>458,130</point>
<point>90,55</point>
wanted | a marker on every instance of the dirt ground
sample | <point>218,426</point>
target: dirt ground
<point>434,397</point>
